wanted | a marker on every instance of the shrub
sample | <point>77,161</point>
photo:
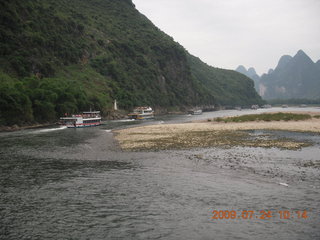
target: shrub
<point>267,117</point>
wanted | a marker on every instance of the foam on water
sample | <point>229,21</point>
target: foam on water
<point>49,129</point>
<point>124,120</point>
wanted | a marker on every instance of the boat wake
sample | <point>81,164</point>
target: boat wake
<point>124,120</point>
<point>49,129</point>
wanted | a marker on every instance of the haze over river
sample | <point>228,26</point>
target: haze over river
<point>59,183</point>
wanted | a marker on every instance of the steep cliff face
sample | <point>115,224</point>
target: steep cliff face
<point>294,77</point>
<point>66,56</point>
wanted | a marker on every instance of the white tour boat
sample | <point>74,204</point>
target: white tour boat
<point>86,119</point>
<point>195,112</point>
<point>141,113</point>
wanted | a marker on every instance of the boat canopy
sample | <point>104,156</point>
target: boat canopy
<point>92,112</point>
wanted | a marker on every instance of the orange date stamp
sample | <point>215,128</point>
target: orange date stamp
<point>261,214</point>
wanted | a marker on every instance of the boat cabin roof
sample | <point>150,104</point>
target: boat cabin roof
<point>68,118</point>
<point>92,112</point>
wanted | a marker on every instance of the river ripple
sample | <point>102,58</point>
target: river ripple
<point>77,184</point>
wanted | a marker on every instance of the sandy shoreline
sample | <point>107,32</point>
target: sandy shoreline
<point>206,134</point>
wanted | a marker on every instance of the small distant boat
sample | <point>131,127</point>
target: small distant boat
<point>267,106</point>
<point>142,113</point>
<point>86,119</point>
<point>285,106</point>
<point>254,107</point>
<point>195,112</point>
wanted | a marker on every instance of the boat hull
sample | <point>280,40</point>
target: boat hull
<point>195,112</point>
<point>83,125</point>
<point>86,119</point>
<point>142,113</point>
<point>140,117</point>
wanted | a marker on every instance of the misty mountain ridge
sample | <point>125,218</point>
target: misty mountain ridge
<point>296,77</point>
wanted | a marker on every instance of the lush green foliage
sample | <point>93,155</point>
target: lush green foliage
<point>32,99</point>
<point>228,87</point>
<point>66,56</point>
<point>266,117</point>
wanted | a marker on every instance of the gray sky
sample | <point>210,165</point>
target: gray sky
<point>228,33</point>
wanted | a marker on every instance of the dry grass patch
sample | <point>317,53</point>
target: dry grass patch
<point>195,135</point>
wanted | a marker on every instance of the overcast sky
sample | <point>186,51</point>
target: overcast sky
<point>228,33</point>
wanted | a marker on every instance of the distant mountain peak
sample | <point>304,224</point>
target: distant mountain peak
<point>301,52</point>
<point>252,71</point>
<point>284,60</point>
<point>270,71</point>
<point>302,56</point>
<point>294,77</point>
<point>241,69</point>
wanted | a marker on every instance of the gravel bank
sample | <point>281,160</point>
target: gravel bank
<point>207,134</point>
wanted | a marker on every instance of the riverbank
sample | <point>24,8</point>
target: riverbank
<point>211,134</point>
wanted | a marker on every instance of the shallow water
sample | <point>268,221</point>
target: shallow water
<point>77,184</point>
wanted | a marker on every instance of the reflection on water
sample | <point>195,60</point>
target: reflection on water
<point>77,184</point>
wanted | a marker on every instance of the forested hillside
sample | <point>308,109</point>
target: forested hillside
<point>64,56</point>
<point>228,86</point>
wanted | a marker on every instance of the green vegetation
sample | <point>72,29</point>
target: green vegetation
<point>39,100</point>
<point>266,117</point>
<point>228,87</point>
<point>317,116</point>
<point>67,56</point>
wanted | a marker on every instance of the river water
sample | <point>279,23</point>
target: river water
<point>58,183</point>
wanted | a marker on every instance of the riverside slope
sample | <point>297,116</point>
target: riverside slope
<point>67,56</point>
